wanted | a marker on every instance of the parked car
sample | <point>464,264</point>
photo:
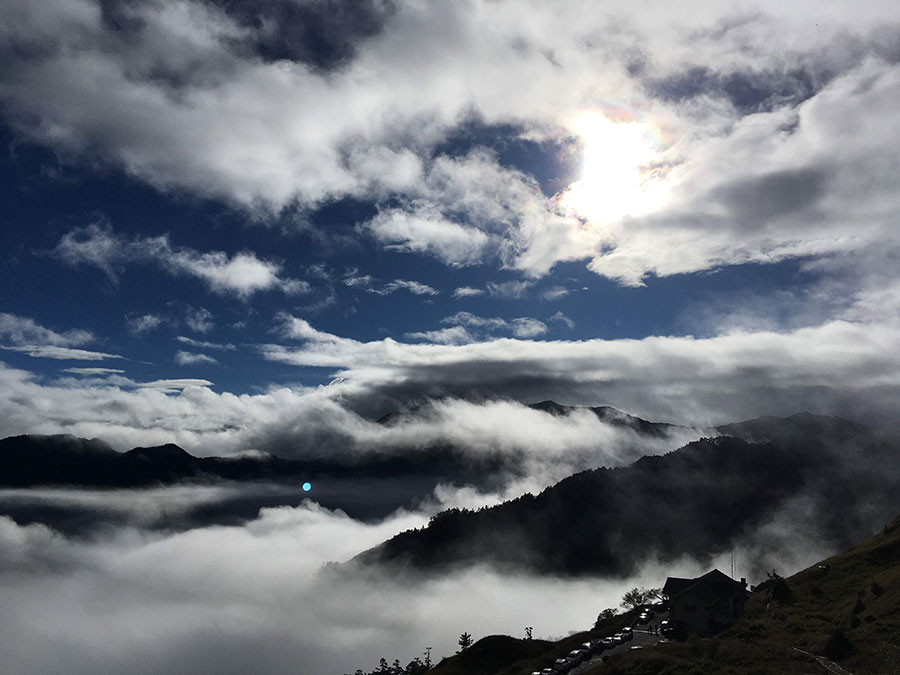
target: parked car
<point>618,639</point>
<point>608,643</point>
<point>576,656</point>
<point>547,671</point>
<point>590,647</point>
<point>643,618</point>
<point>562,666</point>
<point>627,633</point>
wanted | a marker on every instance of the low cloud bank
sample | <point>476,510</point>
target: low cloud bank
<point>309,422</point>
<point>256,598</point>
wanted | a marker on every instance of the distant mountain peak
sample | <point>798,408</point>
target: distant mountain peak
<point>168,450</point>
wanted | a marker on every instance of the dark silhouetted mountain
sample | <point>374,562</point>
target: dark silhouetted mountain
<point>696,501</point>
<point>803,428</point>
<point>66,460</point>
<point>27,461</point>
<point>367,488</point>
<point>612,416</point>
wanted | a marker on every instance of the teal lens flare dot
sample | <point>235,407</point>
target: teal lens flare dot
<point>307,487</point>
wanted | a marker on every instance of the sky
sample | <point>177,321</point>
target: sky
<point>260,225</point>
<point>222,220</point>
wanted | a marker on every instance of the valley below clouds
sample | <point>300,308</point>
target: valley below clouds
<point>256,597</point>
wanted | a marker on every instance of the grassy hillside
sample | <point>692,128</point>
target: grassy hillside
<point>846,608</point>
<point>503,655</point>
<point>492,654</point>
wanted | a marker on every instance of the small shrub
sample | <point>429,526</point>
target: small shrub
<point>859,606</point>
<point>781,592</point>
<point>877,589</point>
<point>816,591</point>
<point>854,622</point>
<point>838,646</point>
<point>694,645</point>
<point>869,618</point>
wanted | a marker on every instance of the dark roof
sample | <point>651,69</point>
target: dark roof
<point>675,585</point>
<point>713,582</point>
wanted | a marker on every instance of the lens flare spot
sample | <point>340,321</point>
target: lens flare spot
<point>307,487</point>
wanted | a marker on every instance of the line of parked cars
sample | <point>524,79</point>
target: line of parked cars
<point>578,656</point>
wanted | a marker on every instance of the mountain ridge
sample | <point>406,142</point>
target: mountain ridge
<point>698,500</point>
<point>843,608</point>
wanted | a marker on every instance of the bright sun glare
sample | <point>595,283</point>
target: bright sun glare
<point>615,181</point>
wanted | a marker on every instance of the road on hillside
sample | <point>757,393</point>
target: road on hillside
<point>642,639</point>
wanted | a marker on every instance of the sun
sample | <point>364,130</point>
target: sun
<point>616,179</point>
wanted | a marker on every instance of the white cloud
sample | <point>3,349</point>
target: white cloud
<point>307,422</point>
<point>62,353</point>
<point>554,293</point>
<point>467,292</point>
<point>255,598</point>
<point>378,287</point>
<point>234,599</point>
<point>31,338</point>
<point>20,330</point>
<point>185,103</point>
<point>143,323</point>
<point>454,335</point>
<point>563,319</point>
<point>94,371</point>
<point>414,287</point>
<point>501,212</point>
<point>427,232</point>
<point>175,385</point>
<point>183,358</point>
<point>198,319</point>
<point>513,289</point>
<point>201,344</point>
<point>242,274</point>
<point>838,368</point>
<point>521,327</point>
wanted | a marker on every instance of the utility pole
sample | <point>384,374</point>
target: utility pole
<point>428,657</point>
